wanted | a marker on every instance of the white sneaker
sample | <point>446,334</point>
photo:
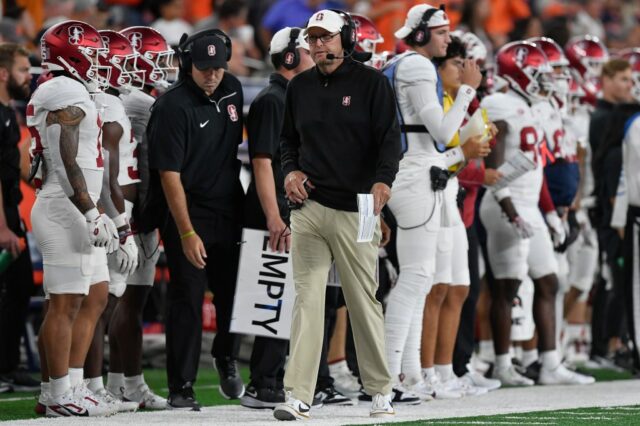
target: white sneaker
<point>439,390</point>
<point>464,387</point>
<point>43,402</point>
<point>343,379</point>
<point>146,398</point>
<point>69,405</point>
<point>82,393</point>
<point>381,406</point>
<point>476,379</point>
<point>292,409</point>
<point>119,405</point>
<point>510,377</point>
<point>420,388</point>
<point>563,376</point>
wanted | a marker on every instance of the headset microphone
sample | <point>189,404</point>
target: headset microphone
<point>332,56</point>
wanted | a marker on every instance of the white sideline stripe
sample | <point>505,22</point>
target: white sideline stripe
<point>24,398</point>
<point>502,401</point>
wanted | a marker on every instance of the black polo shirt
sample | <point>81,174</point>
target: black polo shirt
<point>9,155</point>
<point>198,136</point>
<point>341,130</point>
<point>263,128</point>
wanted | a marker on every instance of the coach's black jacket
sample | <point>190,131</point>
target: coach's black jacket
<point>341,131</point>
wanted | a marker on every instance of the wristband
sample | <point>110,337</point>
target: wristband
<point>120,220</point>
<point>502,193</point>
<point>91,214</point>
<point>187,234</point>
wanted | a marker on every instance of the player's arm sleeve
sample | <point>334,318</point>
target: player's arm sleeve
<point>166,135</point>
<point>387,133</point>
<point>289,136</point>
<point>421,81</point>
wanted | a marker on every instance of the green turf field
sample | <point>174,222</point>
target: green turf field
<point>619,416</point>
<point>20,405</point>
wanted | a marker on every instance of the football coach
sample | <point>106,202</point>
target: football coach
<point>340,137</point>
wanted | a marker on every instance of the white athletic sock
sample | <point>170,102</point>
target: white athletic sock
<point>503,361</point>
<point>445,371</point>
<point>573,332</point>
<point>428,372</point>
<point>75,376</point>
<point>45,387</point>
<point>550,359</point>
<point>529,357</point>
<point>516,352</point>
<point>115,382</point>
<point>132,383</point>
<point>59,386</point>
<point>485,350</point>
<point>95,384</point>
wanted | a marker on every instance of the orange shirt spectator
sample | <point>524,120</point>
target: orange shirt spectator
<point>503,15</point>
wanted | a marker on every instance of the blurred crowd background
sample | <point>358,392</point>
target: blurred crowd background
<point>251,23</point>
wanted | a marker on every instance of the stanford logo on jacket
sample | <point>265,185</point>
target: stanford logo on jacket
<point>233,113</point>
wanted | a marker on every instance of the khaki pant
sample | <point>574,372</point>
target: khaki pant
<point>320,234</point>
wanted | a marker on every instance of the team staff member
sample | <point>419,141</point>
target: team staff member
<point>335,145</point>
<point>16,283</point>
<point>266,204</point>
<point>194,131</point>
<point>626,219</point>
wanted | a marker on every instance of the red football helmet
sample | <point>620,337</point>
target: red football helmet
<point>156,57</point>
<point>524,66</point>
<point>633,57</point>
<point>586,55</point>
<point>367,35</point>
<point>122,60</point>
<point>75,47</point>
<point>559,63</point>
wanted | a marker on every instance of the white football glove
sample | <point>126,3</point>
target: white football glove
<point>523,228</point>
<point>127,254</point>
<point>558,232</point>
<point>113,230</point>
<point>98,229</point>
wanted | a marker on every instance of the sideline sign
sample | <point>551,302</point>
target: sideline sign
<point>265,293</point>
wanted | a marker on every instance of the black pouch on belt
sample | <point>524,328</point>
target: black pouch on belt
<point>462,194</point>
<point>439,178</point>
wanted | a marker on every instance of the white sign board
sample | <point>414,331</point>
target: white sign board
<point>263,304</point>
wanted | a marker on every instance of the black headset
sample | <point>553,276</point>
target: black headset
<point>186,43</point>
<point>348,32</point>
<point>421,35</point>
<point>290,55</point>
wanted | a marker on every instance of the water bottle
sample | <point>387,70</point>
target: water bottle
<point>6,258</point>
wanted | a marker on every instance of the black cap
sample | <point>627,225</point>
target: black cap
<point>209,52</point>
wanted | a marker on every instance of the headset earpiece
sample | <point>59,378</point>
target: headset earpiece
<point>421,35</point>
<point>348,33</point>
<point>290,55</point>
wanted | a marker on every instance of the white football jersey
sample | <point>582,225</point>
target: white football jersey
<point>53,95</point>
<point>137,105</point>
<point>559,142</point>
<point>524,135</point>
<point>112,110</point>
